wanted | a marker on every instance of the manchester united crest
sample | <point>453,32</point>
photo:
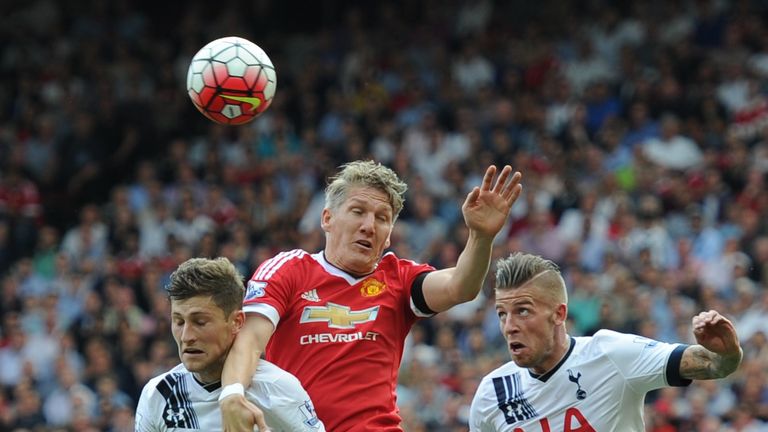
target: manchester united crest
<point>372,288</point>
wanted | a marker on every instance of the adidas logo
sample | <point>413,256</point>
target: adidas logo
<point>311,295</point>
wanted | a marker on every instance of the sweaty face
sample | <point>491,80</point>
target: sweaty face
<point>203,335</point>
<point>358,231</point>
<point>529,322</point>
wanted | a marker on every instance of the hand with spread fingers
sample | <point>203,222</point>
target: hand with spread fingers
<point>487,207</point>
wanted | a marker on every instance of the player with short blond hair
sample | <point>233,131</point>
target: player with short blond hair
<point>338,318</point>
<point>562,383</point>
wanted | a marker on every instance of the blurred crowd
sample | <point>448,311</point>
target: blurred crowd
<point>641,129</point>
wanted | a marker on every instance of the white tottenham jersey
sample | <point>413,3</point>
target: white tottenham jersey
<point>176,401</point>
<point>599,386</point>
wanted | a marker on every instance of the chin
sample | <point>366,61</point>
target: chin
<point>193,366</point>
<point>362,267</point>
<point>521,361</point>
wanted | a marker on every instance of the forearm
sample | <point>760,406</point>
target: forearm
<point>471,268</point>
<point>241,363</point>
<point>243,357</point>
<point>237,413</point>
<point>700,363</point>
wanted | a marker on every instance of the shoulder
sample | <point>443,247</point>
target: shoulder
<point>268,372</point>
<point>391,258</point>
<point>486,397</point>
<point>280,262</point>
<point>151,390</point>
<point>279,384</point>
<point>391,262</point>
<point>506,369</point>
<point>611,340</point>
<point>624,348</point>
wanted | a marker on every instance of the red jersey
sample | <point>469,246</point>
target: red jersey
<point>340,335</point>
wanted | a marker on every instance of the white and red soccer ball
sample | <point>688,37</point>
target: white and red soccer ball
<point>231,80</point>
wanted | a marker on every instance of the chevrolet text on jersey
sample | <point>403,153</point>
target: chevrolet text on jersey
<point>337,337</point>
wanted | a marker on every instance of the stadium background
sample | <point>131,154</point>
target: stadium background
<point>639,127</point>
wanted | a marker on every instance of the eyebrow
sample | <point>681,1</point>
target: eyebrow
<point>517,302</point>
<point>195,313</point>
<point>377,205</point>
<point>357,200</point>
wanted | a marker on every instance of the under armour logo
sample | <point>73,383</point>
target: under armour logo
<point>175,416</point>
<point>511,399</point>
<point>580,394</point>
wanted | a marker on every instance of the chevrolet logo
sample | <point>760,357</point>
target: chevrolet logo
<point>338,316</point>
<point>254,101</point>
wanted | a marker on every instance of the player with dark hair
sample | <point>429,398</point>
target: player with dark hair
<point>206,312</point>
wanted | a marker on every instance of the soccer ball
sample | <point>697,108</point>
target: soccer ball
<point>231,80</point>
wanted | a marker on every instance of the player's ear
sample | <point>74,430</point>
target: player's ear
<point>561,313</point>
<point>388,242</point>
<point>325,220</point>
<point>238,321</point>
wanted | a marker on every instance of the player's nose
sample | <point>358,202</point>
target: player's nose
<point>509,326</point>
<point>187,333</point>
<point>367,225</point>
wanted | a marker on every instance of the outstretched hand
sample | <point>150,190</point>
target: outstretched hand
<point>715,333</point>
<point>487,207</point>
<point>238,414</point>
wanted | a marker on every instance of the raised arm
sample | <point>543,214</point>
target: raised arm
<point>485,212</point>
<point>237,413</point>
<point>717,353</point>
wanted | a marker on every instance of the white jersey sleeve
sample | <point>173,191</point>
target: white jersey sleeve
<point>478,420</point>
<point>646,364</point>
<point>148,415</point>
<point>286,405</point>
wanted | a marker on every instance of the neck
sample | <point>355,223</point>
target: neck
<point>330,259</point>
<point>561,348</point>
<point>205,379</point>
<point>211,375</point>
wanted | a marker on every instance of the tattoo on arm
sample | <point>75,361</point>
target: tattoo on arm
<point>700,363</point>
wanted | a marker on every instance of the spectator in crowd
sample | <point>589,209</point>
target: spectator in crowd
<point>20,208</point>
<point>672,150</point>
<point>68,399</point>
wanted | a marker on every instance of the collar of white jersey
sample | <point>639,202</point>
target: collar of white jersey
<point>544,377</point>
<point>209,387</point>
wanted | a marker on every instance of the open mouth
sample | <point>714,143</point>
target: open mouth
<point>516,347</point>
<point>193,351</point>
